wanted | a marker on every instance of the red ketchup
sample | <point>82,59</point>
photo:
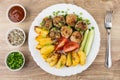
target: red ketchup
<point>16,14</point>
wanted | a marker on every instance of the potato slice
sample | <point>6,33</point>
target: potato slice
<point>41,31</point>
<point>46,50</point>
<point>69,60</point>
<point>37,38</point>
<point>42,42</point>
<point>38,46</point>
<point>62,61</point>
<point>45,41</point>
<point>75,59</point>
<point>45,57</point>
<point>82,57</point>
<point>53,59</point>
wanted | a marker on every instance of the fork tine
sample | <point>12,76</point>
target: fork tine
<point>111,12</point>
<point>108,17</point>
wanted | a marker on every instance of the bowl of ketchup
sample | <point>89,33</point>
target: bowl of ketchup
<point>16,13</point>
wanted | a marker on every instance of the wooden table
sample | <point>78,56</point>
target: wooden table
<point>31,71</point>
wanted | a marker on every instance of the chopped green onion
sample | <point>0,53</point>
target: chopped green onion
<point>15,60</point>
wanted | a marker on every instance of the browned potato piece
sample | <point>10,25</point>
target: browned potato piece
<point>37,29</point>
<point>37,38</point>
<point>69,60</point>
<point>38,46</point>
<point>47,50</point>
<point>82,57</point>
<point>44,41</point>
<point>41,31</point>
<point>66,31</point>
<point>61,62</point>
<point>47,22</point>
<point>80,25</point>
<point>71,19</point>
<point>53,59</point>
<point>59,21</point>
<point>75,59</point>
<point>76,37</point>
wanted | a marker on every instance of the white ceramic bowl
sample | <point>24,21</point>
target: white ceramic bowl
<point>9,33</point>
<point>18,68</point>
<point>13,6</point>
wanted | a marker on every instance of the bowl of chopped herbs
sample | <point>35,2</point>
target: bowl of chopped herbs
<point>15,60</point>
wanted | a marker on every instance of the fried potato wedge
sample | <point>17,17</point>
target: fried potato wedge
<point>69,60</point>
<point>82,57</point>
<point>62,61</point>
<point>75,59</point>
<point>53,59</point>
<point>41,31</point>
<point>38,46</point>
<point>46,50</point>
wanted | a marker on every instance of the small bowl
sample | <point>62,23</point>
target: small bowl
<point>7,57</point>
<point>9,33</point>
<point>13,6</point>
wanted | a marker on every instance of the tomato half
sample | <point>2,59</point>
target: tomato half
<point>61,42</point>
<point>70,46</point>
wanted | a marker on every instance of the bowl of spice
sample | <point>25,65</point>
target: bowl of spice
<point>15,60</point>
<point>16,37</point>
<point>16,13</point>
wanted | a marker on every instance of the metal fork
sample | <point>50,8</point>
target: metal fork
<point>108,26</point>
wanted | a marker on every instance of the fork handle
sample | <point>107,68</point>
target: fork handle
<point>108,60</point>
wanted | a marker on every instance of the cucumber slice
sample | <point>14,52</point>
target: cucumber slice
<point>89,41</point>
<point>84,40</point>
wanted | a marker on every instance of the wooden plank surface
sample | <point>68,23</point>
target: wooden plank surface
<point>31,71</point>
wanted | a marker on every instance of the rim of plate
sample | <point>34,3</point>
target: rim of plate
<point>96,50</point>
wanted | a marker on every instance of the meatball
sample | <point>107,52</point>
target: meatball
<point>47,22</point>
<point>71,19</point>
<point>80,25</point>
<point>59,21</point>
<point>66,31</point>
<point>54,33</point>
<point>76,37</point>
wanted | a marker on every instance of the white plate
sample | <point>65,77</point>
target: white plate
<point>66,71</point>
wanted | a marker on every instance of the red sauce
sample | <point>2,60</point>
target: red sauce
<point>16,14</point>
